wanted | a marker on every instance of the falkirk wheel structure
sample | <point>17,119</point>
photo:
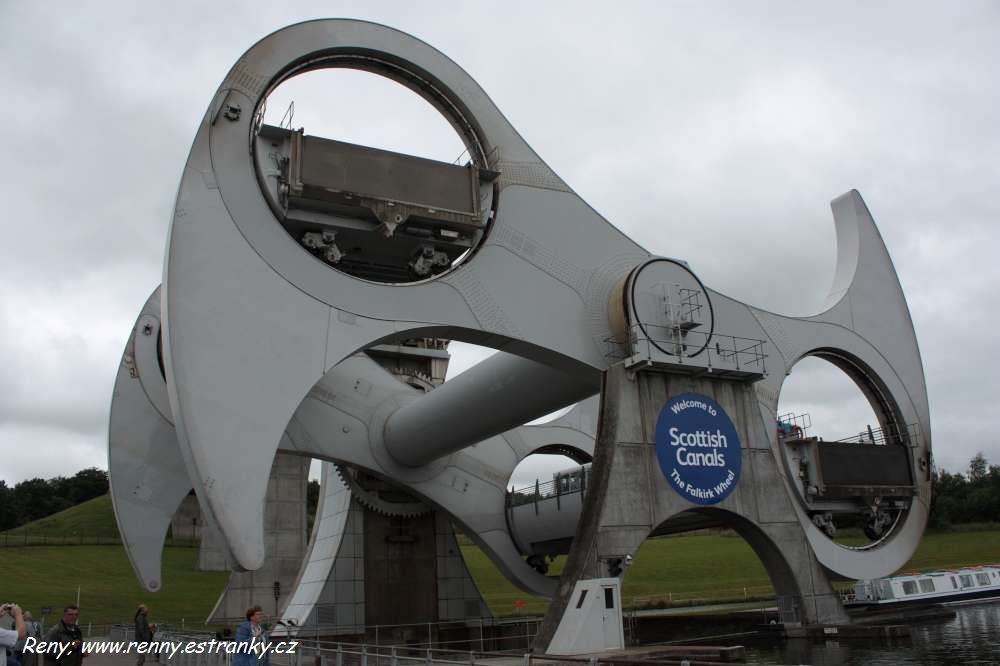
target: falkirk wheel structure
<point>294,262</point>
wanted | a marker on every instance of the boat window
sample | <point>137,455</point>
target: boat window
<point>926,585</point>
<point>909,587</point>
<point>982,579</point>
<point>954,583</point>
<point>966,580</point>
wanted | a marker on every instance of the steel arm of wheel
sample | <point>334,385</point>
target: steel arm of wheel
<point>149,479</point>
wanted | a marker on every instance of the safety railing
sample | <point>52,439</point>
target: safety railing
<point>216,652</point>
<point>687,599</point>
<point>793,426</point>
<point>789,609</point>
<point>363,654</point>
<point>882,436</point>
<point>286,119</point>
<point>564,483</point>
<point>20,536</point>
<point>469,632</point>
<point>693,349</point>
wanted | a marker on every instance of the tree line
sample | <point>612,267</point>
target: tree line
<point>956,498</point>
<point>973,497</point>
<point>33,499</point>
<point>37,498</point>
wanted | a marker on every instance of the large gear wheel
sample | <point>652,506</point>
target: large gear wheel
<point>373,500</point>
<point>412,377</point>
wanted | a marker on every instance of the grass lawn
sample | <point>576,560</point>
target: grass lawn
<point>36,576</point>
<point>680,569</point>
<point>693,568</point>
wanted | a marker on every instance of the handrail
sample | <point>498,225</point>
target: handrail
<point>881,436</point>
<point>575,482</point>
<point>719,350</point>
<point>289,114</point>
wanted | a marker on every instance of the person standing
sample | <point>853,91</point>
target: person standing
<point>10,637</point>
<point>32,630</point>
<point>65,631</point>
<point>143,632</point>
<point>252,632</point>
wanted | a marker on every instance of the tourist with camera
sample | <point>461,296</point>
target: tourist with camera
<point>32,630</point>
<point>10,637</point>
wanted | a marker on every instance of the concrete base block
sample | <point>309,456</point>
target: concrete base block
<point>629,498</point>
<point>285,539</point>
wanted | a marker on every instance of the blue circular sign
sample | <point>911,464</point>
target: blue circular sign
<point>698,448</point>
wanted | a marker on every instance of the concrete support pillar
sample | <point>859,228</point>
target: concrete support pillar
<point>285,541</point>
<point>363,570</point>
<point>187,523</point>
<point>212,554</point>
<point>629,497</point>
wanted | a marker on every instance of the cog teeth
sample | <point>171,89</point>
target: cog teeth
<point>375,503</point>
<point>423,378</point>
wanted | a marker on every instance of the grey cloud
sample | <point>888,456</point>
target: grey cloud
<point>714,132</point>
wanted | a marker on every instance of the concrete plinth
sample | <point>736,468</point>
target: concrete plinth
<point>187,522</point>
<point>366,569</point>
<point>212,554</point>
<point>285,542</point>
<point>629,498</point>
<point>415,575</point>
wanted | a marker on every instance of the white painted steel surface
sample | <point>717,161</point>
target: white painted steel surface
<point>330,424</point>
<point>259,336</point>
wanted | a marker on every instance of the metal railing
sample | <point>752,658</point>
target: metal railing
<point>564,483</point>
<point>716,351</point>
<point>881,436</point>
<point>20,536</point>
<point>286,120</point>
<point>469,633</point>
<point>670,600</point>
<point>795,425</point>
<point>376,650</point>
<point>342,653</point>
<point>789,609</point>
<point>364,654</point>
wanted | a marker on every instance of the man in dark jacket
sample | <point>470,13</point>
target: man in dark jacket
<point>66,631</point>
<point>143,632</point>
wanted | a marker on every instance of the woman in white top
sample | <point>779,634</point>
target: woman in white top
<point>10,637</point>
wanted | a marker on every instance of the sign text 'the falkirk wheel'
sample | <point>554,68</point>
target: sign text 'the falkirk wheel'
<point>698,448</point>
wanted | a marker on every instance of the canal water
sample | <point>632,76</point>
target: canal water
<point>972,637</point>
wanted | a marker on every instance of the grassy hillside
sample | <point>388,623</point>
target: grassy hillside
<point>90,519</point>
<point>88,523</point>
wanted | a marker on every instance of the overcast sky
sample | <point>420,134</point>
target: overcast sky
<point>714,132</point>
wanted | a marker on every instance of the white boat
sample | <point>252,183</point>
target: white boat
<point>935,587</point>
